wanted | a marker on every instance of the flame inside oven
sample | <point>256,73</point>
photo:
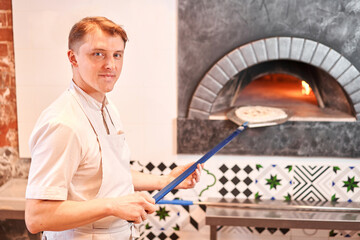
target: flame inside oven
<point>305,88</point>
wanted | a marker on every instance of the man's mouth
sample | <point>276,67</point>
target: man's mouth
<point>107,75</point>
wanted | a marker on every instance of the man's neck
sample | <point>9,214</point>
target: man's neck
<point>100,97</point>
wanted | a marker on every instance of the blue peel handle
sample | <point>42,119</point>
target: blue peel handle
<point>193,167</point>
<point>176,202</point>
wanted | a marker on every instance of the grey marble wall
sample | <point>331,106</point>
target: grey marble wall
<point>331,139</point>
<point>16,230</point>
<point>11,166</point>
<point>208,29</point>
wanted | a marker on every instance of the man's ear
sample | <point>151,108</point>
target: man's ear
<point>72,58</point>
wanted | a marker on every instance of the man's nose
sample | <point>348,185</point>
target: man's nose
<point>110,63</point>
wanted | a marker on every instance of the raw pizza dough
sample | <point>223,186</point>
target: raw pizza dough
<point>257,114</point>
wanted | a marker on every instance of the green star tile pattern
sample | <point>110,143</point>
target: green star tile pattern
<point>162,213</point>
<point>350,184</point>
<point>273,181</point>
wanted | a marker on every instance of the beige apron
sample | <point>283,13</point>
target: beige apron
<point>116,181</point>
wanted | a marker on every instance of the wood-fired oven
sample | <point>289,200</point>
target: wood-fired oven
<point>302,56</point>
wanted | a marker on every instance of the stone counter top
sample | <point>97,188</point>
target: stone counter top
<point>12,199</point>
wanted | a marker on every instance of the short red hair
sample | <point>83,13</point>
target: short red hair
<point>89,24</point>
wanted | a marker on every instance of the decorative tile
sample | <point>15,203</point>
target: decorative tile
<point>233,233</point>
<point>343,234</point>
<point>312,183</point>
<point>228,180</point>
<point>196,219</point>
<point>165,221</point>
<point>273,181</point>
<point>235,230</point>
<point>345,183</point>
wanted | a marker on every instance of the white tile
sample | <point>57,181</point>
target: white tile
<point>134,134</point>
<point>40,29</point>
<point>160,105</point>
<point>260,237</point>
<point>32,67</point>
<point>309,238</point>
<point>31,101</point>
<point>26,73</point>
<point>201,235</point>
<point>25,127</point>
<point>237,236</point>
<point>305,233</point>
<point>159,142</point>
<point>130,103</point>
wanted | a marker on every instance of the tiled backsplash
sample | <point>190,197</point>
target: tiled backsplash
<point>231,179</point>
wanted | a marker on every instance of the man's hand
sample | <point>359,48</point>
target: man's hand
<point>191,180</point>
<point>149,182</point>
<point>56,215</point>
<point>134,207</point>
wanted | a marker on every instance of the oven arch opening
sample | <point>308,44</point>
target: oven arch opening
<point>307,92</point>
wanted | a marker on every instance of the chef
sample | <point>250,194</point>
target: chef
<point>80,183</point>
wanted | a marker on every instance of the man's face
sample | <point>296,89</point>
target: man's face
<point>98,63</point>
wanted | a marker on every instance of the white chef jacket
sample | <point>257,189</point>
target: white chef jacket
<point>66,159</point>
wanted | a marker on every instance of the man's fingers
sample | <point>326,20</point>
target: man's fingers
<point>149,206</point>
<point>197,176</point>
<point>148,197</point>
<point>144,216</point>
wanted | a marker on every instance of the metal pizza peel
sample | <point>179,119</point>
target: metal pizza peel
<point>242,126</point>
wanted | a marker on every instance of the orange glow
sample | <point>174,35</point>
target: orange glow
<point>275,89</point>
<point>305,88</point>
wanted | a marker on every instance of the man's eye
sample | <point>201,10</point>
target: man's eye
<point>117,55</point>
<point>98,54</point>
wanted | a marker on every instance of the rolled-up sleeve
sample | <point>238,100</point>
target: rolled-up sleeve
<point>55,157</point>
